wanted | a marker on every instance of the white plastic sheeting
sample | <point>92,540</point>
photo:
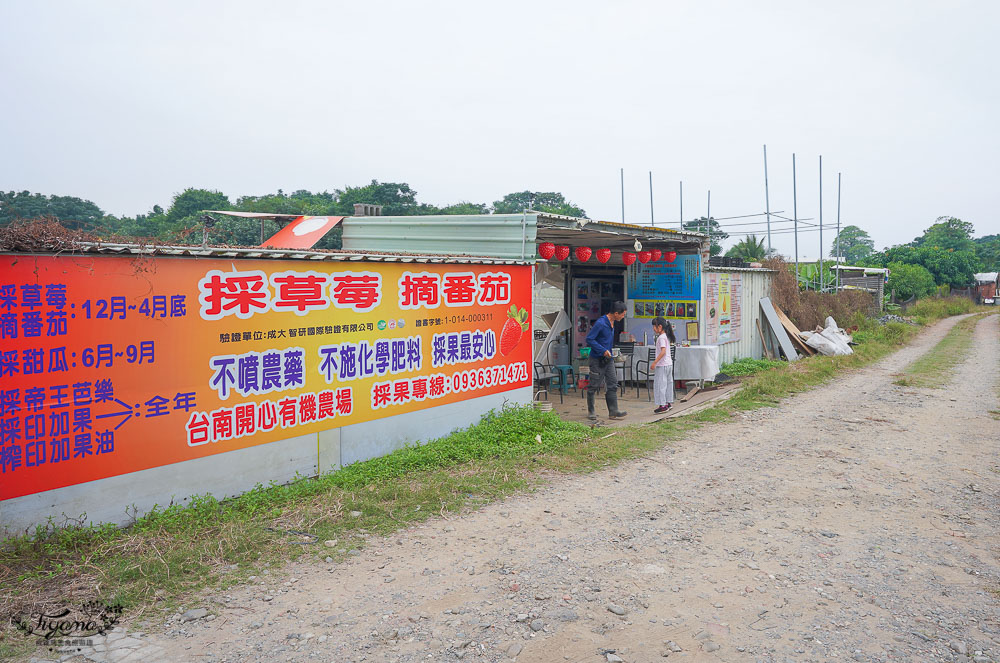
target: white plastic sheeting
<point>832,340</point>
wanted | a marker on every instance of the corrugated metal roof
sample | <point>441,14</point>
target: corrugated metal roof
<point>652,232</point>
<point>866,270</point>
<point>985,277</point>
<point>277,254</point>
<point>505,236</point>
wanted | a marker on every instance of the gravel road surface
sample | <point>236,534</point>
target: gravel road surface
<point>856,522</point>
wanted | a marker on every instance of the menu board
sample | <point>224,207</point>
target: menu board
<point>665,281</point>
<point>723,307</point>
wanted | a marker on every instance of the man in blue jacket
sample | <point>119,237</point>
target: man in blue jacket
<point>602,369</point>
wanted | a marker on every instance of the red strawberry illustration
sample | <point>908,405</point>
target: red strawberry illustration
<point>603,255</point>
<point>513,329</point>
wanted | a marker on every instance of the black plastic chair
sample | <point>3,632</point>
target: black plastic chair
<point>645,370</point>
<point>544,375</point>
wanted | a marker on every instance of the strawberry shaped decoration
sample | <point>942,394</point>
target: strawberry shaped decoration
<point>628,258</point>
<point>655,254</point>
<point>562,252</point>
<point>583,253</point>
<point>546,250</point>
<point>513,329</point>
<point>670,256</point>
<point>603,255</point>
<point>644,256</point>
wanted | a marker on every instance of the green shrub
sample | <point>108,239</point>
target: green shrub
<point>747,366</point>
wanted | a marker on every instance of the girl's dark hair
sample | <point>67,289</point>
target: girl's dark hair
<point>667,327</point>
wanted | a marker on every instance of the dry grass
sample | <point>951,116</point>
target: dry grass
<point>809,309</point>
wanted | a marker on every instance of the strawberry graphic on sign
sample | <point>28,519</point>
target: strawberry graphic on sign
<point>513,329</point>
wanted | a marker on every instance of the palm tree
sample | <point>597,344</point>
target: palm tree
<point>749,249</point>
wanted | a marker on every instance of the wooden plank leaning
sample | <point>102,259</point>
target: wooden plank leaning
<point>767,308</point>
<point>763,341</point>
<point>794,333</point>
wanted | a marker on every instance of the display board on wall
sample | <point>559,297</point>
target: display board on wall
<point>666,281</point>
<point>109,365</point>
<point>671,310</point>
<point>723,307</point>
<point>668,289</point>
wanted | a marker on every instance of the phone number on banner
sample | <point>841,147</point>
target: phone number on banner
<point>491,376</point>
<point>399,392</point>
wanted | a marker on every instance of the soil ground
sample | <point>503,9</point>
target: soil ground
<point>857,521</point>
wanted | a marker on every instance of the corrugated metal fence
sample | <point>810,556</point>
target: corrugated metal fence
<point>756,284</point>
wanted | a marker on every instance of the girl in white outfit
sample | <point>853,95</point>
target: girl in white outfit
<point>663,367</point>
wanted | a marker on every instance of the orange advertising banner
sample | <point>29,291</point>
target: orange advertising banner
<point>110,365</point>
<point>303,232</point>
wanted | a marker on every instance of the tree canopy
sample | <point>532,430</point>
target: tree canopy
<point>854,245</point>
<point>74,213</point>
<point>988,252</point>
<point>909,280</point>
<point>947,233</point>
<point>750,249</point>
<point>548,201</point>
<point>954,268</point>
<point>711,226</point>
<point>181,222</point>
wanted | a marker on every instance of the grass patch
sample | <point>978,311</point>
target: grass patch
<point>748,366</point>
<point>168,555</point>
<point>929,370</point>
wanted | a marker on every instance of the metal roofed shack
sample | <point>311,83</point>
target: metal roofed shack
<point>987,287</point>
<point>669,285</point>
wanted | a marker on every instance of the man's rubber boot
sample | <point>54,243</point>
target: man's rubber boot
<point>591,412</point>
<point>612,399</point>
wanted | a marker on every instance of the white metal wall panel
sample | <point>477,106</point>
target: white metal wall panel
<point>510,236</point>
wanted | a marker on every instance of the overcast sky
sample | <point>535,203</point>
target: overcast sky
<point>127,103</point>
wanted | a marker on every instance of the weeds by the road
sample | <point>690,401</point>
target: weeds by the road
<point>931,369</point>
<point>934,308</point>
<point>166,555</point>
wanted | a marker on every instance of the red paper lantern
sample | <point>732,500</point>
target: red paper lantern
<point>655,254</point>
<point>603,255</point>
<point>583,253</point>
<point>644,256</point>
<point>628,258</point>
<point>546,249</point>
<point>670,256</point>
<point>562,252</point>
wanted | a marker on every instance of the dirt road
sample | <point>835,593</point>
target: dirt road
<point>858,521</point>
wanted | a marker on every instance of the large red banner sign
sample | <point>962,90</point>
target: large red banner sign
<point>110,365</point>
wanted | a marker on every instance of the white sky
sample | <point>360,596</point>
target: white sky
<point>126,103</point>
